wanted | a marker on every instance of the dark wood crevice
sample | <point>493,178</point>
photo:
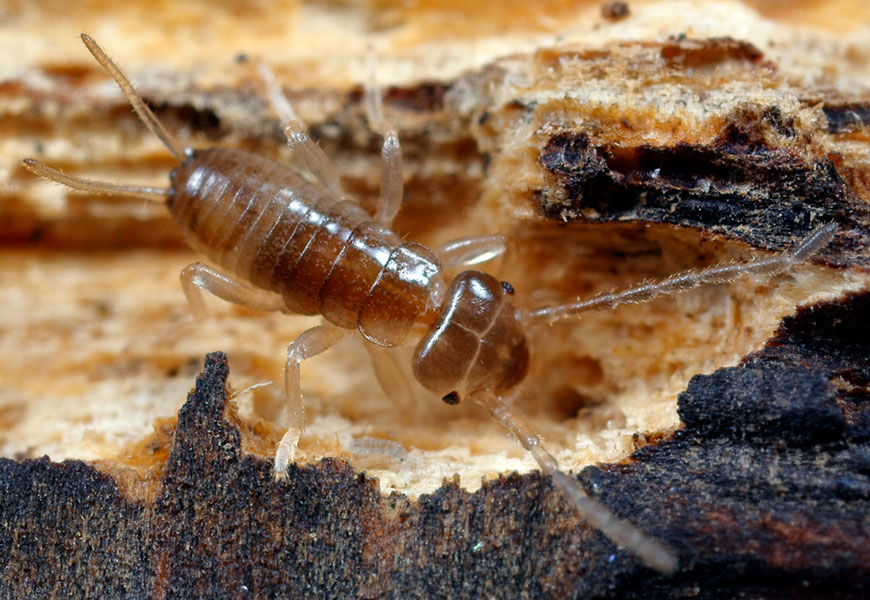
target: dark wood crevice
<point>739,186</point>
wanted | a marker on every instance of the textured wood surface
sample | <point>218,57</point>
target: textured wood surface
<point>611,150</point>
<point>764,493</point>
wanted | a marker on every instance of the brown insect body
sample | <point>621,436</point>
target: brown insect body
<point>304,248</point>
<point>324,255</point>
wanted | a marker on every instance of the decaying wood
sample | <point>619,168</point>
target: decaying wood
<point>611,150</point>
<point>764,492</point>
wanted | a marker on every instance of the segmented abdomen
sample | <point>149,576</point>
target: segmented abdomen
<point>265,223</point>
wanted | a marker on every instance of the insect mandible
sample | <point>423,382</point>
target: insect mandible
<point>286,244</point>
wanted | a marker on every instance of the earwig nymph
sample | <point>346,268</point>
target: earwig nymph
<point>284,243</point>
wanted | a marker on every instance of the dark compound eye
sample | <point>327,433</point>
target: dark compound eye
<point>451,398</point>
<point>507,288</point>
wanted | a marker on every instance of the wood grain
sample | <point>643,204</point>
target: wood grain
<point>611,151</point>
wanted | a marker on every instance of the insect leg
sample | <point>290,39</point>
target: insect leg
<point>396,383</point>
<point>392,183</point>
<point>778,263</point>
<point>199,276</point>
<point>304,148</point>
<point>310,342</point>
<point>471,250</point>
<point>650,551</point>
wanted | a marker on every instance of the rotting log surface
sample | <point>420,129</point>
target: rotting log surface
<point>765,494</point>
<point>719,187</point>
<point>763,178</point>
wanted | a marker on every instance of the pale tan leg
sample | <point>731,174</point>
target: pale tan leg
<point>392,182</point>
<point>250,388</point>
<point>304,148</point>
<point>387,365</point>
<point>315,160</point>
<point>199,276</point>
<point>471,250</point>
<point>310,342</point>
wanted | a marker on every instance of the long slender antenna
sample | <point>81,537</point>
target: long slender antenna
<point>653,553</point>
<point>152,194</point>
<point>778,263</point>
<point>177,148</point>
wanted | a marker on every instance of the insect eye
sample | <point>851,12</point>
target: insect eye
<point>507,288</point>
<point>451,398</point>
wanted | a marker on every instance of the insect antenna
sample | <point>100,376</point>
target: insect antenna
<point>152,194</point>
<point>653,553</point>
<point>177,149</point>
<point>812,244</point>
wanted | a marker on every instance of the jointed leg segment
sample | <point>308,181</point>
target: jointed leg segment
<point>306,150</point>
<point>393,379</point>
<point>199,276</point>
<point>392,183</point>
<point>471,250</point>
<point>315,160</point>
<point>310,342</point>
